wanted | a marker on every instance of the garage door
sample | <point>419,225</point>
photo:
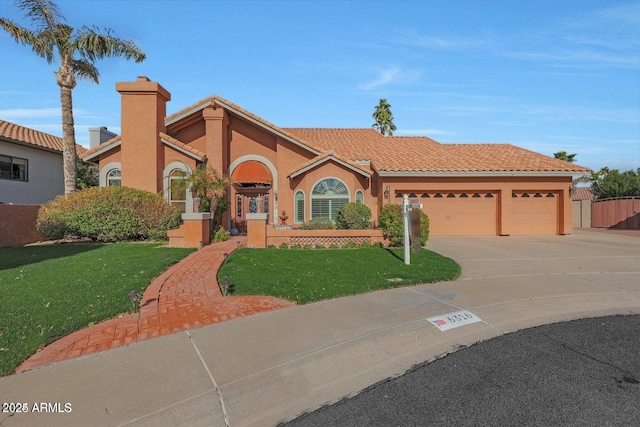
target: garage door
<point>534,212</point>
<point>456,213</point>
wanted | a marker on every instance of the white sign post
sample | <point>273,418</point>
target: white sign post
<point>406,209</point>
<point>405,222</point>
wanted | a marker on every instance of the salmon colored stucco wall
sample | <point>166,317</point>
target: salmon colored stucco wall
<point>143,107</point>
<point>329,169</point>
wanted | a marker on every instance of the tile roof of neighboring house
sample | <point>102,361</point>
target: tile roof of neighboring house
<point>28,136</point>
<point>582,193</point>
<point>415,155</point>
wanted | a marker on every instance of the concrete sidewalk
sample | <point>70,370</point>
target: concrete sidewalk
<point>272,366</point>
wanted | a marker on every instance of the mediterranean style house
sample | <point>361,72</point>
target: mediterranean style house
<point>30,165</point>
<point>465,189</point>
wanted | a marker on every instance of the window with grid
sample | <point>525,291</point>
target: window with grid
<point>13,168</point>
<point>177,193</point>
<point>327,197</point>
<point>114,178</point>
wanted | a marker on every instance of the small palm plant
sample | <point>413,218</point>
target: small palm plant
<point>205,184</point>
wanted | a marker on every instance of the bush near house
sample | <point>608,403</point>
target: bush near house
<point>318,224</point>
<point>108,214</point>
<point>353,216</point>
<point>390,222</point>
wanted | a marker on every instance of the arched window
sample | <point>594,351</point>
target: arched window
<point>114,178</point>
<point>359,196</point>
<point>177,192</point>
<point>298,207</point>
<point>327,197</point>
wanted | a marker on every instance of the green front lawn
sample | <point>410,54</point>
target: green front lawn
<point>47,292</point>
<point>304,276</point>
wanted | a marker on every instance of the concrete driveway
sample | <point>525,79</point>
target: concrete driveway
<point>271,367</point>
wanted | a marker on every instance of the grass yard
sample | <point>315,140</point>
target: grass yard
<point>47,292</point>
<point>304,276</point>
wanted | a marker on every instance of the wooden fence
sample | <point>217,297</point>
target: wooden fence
<point>620,212</point>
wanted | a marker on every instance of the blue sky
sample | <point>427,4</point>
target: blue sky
<point>543,75</point>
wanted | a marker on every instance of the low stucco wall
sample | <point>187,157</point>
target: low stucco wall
<point>18,225</point>
<point>325,238</point>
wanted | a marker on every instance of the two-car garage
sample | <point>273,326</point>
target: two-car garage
<point>478,213</point>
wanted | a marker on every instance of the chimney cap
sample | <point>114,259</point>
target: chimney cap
<point>143,79</point>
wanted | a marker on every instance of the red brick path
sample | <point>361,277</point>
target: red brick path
<point>186,296</point>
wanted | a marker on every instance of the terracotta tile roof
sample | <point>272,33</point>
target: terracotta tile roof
<point>181,145</point>
<point>329,155</point>
<point>21,134</point>
<point>582,193</point>
<point>90,154</point>
<point>424,155</point>
<point>218,100</point>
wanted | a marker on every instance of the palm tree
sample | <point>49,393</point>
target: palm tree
<point>562,155</point>
<point>75,50</point>
<point>206,184</point>
<point>384,118</point>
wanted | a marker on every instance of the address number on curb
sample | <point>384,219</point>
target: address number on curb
<point>448,321</point>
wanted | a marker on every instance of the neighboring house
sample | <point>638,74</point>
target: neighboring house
<point>466,189</point>
<point>30,165</point>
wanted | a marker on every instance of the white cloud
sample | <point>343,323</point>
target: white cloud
<point>389,75</point>
<point>413,38</point>
<point>29,113</point>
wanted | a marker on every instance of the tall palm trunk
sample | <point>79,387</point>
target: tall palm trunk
<point>67,82</point>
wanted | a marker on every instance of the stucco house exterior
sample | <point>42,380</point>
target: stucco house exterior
<point>466,189</point>
<point>30,165</point>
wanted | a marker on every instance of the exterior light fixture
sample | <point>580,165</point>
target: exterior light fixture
<point>134,297</point>
<point>387,191</point>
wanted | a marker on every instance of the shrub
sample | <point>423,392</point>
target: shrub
<point>353,216</point>
<point>390,222</point>
<point>321,247</point>
<point>350,245</point>
<point>108,214</point>
<point>318,224</point>
<point>220,235</point>
<point>284,246</point>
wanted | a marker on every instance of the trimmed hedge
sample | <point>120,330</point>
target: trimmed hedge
<point>108,214</point>
<point>390,222</point>
<point>353,216</point>
<point>318,224</point>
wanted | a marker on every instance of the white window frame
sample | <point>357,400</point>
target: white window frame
<point>332,211</point>
<point>297,213</point>
<point>104,172</point>
<point>361,194</point>
<point>166,179</point>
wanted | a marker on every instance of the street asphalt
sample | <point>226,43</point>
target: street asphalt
<point>273,367</point>
<point>577,373</point>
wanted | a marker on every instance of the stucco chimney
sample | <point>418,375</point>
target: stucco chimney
<point>143,109</point>
<point>99,135</point>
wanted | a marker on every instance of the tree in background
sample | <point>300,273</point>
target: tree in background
<point>75,51</point>
<point>86,174</point>
<point>571,158</point>
<point>384,118</point>
<point>562,155</point>
<point>613,183</point>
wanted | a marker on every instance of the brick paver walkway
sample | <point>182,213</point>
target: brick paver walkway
<point>186,296</point>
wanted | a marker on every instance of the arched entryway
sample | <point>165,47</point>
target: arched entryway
<point>252,184</point>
